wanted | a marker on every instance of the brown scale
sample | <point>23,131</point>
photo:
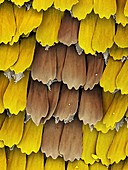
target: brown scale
<point>53,97</point>
<point>67,104</point>
<point>61,54</point>
<point>44,64</point>
<point>95,65</point>
<point>68,32</point>
<point>51,138</point>
<point>70,146</point>
<point>91,107</point>
<point>37,102</point>
<point>74,70</point>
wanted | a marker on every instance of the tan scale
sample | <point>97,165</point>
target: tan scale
<point>44,64</point>
<point>31,139</point>
<point>89,144</point>
<point>91,108</point>
<point>47,32</point>
<point>74,70</point>
<point>95,66</point>
<point>70,146</point>
<point>51,138</point>
<point>16,92</point>
<point>61,54</point>
<point>37,105</point>
<point>53,98</point>
<point>108,79</point>
<point>81,9</point>
<point>68,32</point>
<point>12,129</point>
<point>67,104</point>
